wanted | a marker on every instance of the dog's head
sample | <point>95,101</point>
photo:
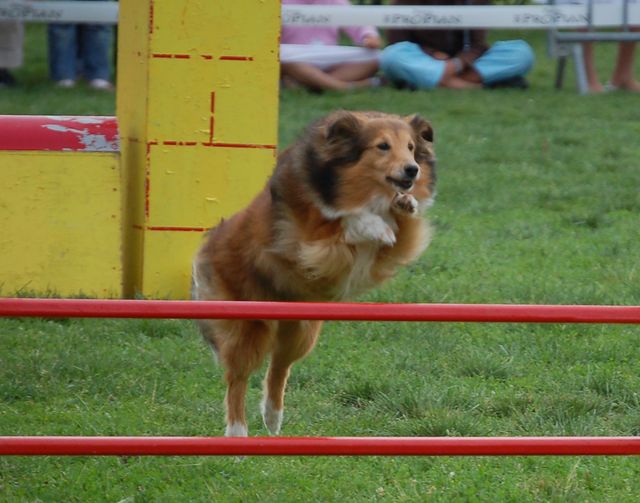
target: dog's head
<point>358,157</point>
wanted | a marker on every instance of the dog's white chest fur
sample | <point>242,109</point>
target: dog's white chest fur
<point>346,263</point>
<point>359,278</point>
<point>366,231</point>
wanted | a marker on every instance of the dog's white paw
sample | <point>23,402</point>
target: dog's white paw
<point>405,202</point>
<point>236,430</point>
<point>271,416</point>
<point>367,227</point>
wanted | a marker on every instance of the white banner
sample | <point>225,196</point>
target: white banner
<point>488,16</point>
<point>59,12</point>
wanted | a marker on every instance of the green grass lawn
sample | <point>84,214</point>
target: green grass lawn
<point>538,202</point>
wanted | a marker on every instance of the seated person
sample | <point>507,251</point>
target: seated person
<point>456,59</point>
<point>311,56</point>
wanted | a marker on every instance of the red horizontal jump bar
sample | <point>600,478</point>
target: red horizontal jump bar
<point>59,133</point>
<point>319,446</point>
<point>88,308</point>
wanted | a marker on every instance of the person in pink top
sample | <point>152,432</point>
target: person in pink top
<point>312,57</point>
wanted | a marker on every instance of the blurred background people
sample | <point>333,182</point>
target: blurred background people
<point>456,59</point>
<point>622,76</point>
<point>312,57</point>
<point>11,50</point>
<point>80,51</point>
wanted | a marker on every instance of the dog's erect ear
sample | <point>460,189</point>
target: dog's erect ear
<point>422,127</point>
<point>343,126</point>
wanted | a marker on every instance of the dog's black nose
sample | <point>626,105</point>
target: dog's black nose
<point>411,170</point>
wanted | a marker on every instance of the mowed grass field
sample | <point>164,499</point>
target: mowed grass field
<point>539,202</point>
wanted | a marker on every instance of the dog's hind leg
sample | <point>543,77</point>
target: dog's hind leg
<point>241,350</point>
<point>293,341</point>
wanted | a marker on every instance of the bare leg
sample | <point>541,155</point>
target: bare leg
<point>590,68</point>
<point>468,80</point>
<point>623,73</point>
<point>294,340</point>
<point>470,75</point>
<point>453,81</point>
<point>354,72</point>
<point>316,79</point>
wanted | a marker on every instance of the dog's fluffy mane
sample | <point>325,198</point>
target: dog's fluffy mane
<point>292,242</point>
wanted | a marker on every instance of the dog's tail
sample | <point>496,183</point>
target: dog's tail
<point>199,291</point>
<point>196,281</point>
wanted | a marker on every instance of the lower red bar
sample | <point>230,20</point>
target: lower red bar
<point>319,446</point>
<point>512,313</point>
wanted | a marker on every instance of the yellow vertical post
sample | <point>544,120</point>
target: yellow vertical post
<point>60,206</point>
<point>197,108</point>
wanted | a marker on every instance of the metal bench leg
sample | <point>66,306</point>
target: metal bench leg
<point>562,63</point>
<point>581,74</point>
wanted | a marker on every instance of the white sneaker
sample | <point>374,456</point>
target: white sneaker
<point>66,83</point>
<point>101,85</point>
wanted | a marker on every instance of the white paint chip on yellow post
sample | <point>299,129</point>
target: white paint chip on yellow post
<point>197,109</point>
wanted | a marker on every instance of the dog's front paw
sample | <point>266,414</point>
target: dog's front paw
<point>405,203</point>
<point>367,227</point>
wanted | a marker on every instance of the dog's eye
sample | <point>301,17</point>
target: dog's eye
<point>384,146</point>
<point>410,147</point>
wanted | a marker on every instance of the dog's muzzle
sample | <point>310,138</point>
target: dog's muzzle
<point>408,177</point>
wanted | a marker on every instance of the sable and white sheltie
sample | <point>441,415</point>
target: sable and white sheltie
<point>341,212</point>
